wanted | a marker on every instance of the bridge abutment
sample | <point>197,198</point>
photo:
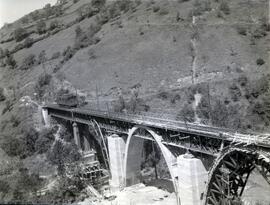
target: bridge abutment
<point>192,178</point>
<point>116,146</point>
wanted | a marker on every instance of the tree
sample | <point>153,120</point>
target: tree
<point>41,27</point>
<point>20,34</point>
<point>62,153</point>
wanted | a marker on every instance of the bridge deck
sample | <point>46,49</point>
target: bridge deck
<point>156,122</point>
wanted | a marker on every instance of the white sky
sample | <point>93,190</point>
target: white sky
<point>11,10</point>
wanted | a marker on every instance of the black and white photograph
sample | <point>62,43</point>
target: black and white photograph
<point>134,102</point>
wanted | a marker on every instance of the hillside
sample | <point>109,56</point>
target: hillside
<point>172,49</point>
<point>202,61</point>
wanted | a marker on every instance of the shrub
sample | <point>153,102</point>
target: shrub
<point>53,25</point>
<point>175,98</point>
<point>14,121</point>
<point>98,3</point>
<point>10,61</point>
<point>156,8</point>
<point>42,57</point>
<point>1,53</point>
<point>242,80</point>
<point>124,5</point>
<point>114,10</point>
<point>242,30</point>
<point>2,95</point>
<point>235,92</point>
<point>260,61</point>
<point>224,7</point>
<point>68,53</point>
<point>41,27</point>
<point>55,55</point>
<point>259,33</point>
<point>20,34</point>
<point>28,42</point>
<point>91,54</point>
<point>28,62</point>
<point>163,11</point>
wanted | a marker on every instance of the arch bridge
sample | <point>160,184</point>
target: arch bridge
<point>215,171</point>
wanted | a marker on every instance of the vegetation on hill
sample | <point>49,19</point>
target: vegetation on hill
<point>195,61</point>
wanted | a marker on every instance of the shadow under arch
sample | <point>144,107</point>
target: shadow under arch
<point>132,158</point>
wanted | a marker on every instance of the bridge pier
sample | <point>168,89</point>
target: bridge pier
<point>116,146</point>
<point>46,117</point>
<point>192,178</point>
<point>76,135</point>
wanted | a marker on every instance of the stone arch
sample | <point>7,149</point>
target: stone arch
<point>133,149</point>
<point>233,166</point>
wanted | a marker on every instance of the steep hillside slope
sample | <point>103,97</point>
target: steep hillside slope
<point>172,49</point>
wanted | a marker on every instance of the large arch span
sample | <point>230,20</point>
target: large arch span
<point>133,152</point>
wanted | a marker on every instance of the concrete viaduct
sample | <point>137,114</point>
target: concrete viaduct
<point>214,172</point>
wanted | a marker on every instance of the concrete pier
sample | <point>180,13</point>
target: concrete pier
<point>46,117</point>
<point>76,135</point>
<point>116,146</point>
<point>192,178</point>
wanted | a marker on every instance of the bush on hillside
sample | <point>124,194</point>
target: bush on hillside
<point>2,95</point>
<point>28,42</point>
<point>224,7</point>
<point>124,5</point>
<point>98,3</point>
<point>28,62</point>
<point>260,61</point>
<point>114,10</point>
<point>242,30</point>
<point>20,34</point>
<point>1,53</point>
<point>55,55</point>
<point>68,53</point>
<point>11,62</point>
<point>41,27</point>
<point>235,92</point>
<point>42,57</point>
<point>163,11</point>
<point>54,24</point>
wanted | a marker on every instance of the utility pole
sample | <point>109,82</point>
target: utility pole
<point>209,102</point>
